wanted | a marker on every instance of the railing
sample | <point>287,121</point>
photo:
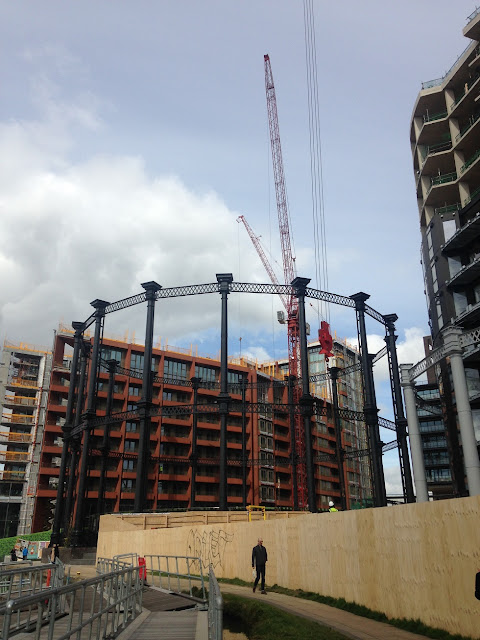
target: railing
<point>473,120</point>
<point>444,178</point>
<point>469,162</point>
<point>471,196</point>
<point>22,582</point>
<point>215,608</point>
<point>438,81</point>
<point>97,608</point>
<point>171,572</point>
<point>431,117</point>
<point>473,15</point>
<point>449,208</point>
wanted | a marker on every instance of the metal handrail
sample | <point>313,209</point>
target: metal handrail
<point>119,602</point>
<point>215,608</point>
<point>166,572</point>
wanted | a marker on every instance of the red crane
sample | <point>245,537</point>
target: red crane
<point>289,272</point>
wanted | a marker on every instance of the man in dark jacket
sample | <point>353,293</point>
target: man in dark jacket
<point>259,559</point>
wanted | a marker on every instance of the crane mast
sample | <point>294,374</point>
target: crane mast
<point>289,272</point>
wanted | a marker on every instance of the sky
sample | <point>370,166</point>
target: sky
<point>134,134</point>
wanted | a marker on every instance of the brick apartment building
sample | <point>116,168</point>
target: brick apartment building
<point>268,440</point>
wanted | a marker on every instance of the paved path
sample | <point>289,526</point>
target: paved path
<point>350,625</point>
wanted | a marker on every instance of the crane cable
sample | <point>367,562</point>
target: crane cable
<point>316,170</point>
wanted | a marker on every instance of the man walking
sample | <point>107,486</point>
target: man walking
<point>259,559</point>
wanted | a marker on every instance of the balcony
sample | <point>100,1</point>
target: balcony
<point>19,401</point>
<point>14,456</point>
<point>467,274</point>
<point>463,237</point>
<point>443,188</point>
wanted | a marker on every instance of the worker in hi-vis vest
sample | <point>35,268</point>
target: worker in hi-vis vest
<point>331,506</point>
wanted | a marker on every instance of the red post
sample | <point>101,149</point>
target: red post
<point>143,569</point>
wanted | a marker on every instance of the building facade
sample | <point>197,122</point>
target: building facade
<point>24,379</point>
<point>267,437</point>
<point>445,142</point>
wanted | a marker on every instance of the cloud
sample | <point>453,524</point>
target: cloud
<point>76,231</point>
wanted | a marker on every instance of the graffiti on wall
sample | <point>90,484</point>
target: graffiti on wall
<point>209,546</point>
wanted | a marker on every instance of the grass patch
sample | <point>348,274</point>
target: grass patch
<point>6,544</point>
<point>414,626</point>
<point>264,622</point>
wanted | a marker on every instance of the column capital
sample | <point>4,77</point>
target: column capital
<point>195,382</point>
<point>390,319</point>
<point>360,298</point>
<point>78,327</point>
<point>451,340</point>
<point>334,371</point>
<point>224,280</point>
<point>99,306</point>
<point>405,376</point>
<point>300,284</point>
<point>151,288</point>
<point>111,364</point>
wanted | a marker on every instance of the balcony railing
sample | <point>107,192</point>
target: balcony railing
<point>13,456</point>
<point>473,120</point>
<point>472,196</point>
<point>444,178</point>
<point>431,117</point>
<point>469,162</point>
<point>449,208</point>
<point>473,15</point>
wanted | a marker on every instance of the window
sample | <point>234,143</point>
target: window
<point>175,369</point>
<point>454,265</point>
<point>207,374</point>
<point>449,229</point>
<point>129,445</point>
<point>136,361</point>
<point>134,390</point>
<point>111,354</point>
<point>234,377</point>
<point>129,465</point>
<point>131,427</point>
<point>128,484</point>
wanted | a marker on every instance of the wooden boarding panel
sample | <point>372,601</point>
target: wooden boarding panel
<point>414,561</point>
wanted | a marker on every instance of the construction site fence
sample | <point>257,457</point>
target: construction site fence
<point>99,607</point>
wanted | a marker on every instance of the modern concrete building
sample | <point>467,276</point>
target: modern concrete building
<point>24,379</point>
<point>268,436</point>
<point>445,142</point>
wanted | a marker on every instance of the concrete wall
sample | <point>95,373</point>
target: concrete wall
<point>411,561</point>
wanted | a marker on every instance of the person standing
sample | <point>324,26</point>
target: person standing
<point>13,555</point>
<point>259,560</point>
<point>25,553</point>
<point>331,507</point>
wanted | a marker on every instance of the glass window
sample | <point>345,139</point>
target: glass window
<point>129,445</point>
<point>175,369</point>
<point>207,374</point>
<point>134,390</point>
<point>454,265</point>
<point>449,229</point>
<point>460,301</point>
<point>136,361</point>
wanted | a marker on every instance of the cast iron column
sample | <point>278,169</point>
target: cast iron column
<point>291,408</point>
<point>306,401</point>
<point>99,306</point>
<point>105,446</point>
<point>370,406</point>
<point>76,440</point>
<point>400,420</point>
<point>56,537</point>
<point>334,371</point>
<point>194,455</point>
<point>141,486</point>
<point>244,442</point>
<point>414,434</point>
<point>224,280</point>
